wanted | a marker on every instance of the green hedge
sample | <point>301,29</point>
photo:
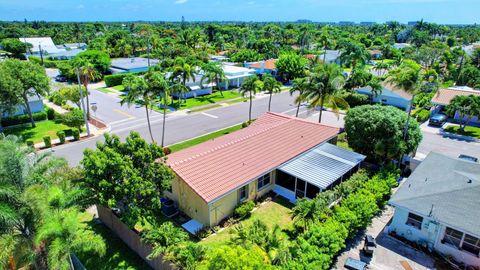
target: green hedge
<point>244,209</point>
<point>354,99</point>
<point>421,115</point>
<point>50,113</point>
<point>46,62</point>
<point>48,141</point>
<point>61,136</point>
<point>30,143</point>
<point>117,79</point>
<point>23,119</point>
<point>76,134</point>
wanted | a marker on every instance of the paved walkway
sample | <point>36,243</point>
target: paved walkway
<point>389,252</point>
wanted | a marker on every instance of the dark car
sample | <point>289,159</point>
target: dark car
<point>369,245</point>
<point>61,78</point>
<point>353,264</point>
<point>438,120</point>
<point>468,158</point>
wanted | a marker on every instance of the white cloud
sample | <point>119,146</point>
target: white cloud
<point>80,6</point>
<point>179,2</point>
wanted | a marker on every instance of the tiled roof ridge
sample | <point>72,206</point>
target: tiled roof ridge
<point>476,91</point>
<point>301,119</point>
<point>237,140</point>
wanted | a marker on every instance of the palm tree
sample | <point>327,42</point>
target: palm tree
<point>63,233</point>
<point>183,72</point>
<point>306,212</point>
<point>326,84</point>
<point>325,41</point>
<point>270,86</point>
<point>354,54</point>
<point>409,78</point>
<point>382,67</point>
<point>213,72</point>
<point>300,85</point>
<point>87,74</point>
<point>251,86</point>
<point>138,89</point>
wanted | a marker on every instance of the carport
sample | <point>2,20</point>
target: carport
<point>316,170</point>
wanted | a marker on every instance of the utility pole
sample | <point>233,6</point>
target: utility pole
<point>41,53</point>
<point>83,105</point>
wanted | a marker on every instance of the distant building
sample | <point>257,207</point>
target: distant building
<point>438,207</point>
<point>261,67</point>
<point>235,76</point>
<point>50,50</point>
<point>445,96</point>
<point>375,54</point>
<point>469,49</point>
<point>36,105</point>
<point>388,96</point>
<point>401,45</point>
<point>134,64</point>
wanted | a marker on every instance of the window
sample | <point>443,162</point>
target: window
<point>452,237</point>
<point>471,244</point>
<point>263,181</point>
<point>243,192</point>
<point>312,191</point>
<point>414,221</point>
<point>285,180</point>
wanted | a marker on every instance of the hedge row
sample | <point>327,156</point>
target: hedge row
<point>117,79</point>
<point>23,119</point>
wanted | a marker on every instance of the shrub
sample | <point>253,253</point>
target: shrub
<point>23,119</point>
<point>68,132</point>
<point>48,141</point>
<point>50,113</point>
<point>61,136</point>
<point>30,143</point>
<point>76,134</point>
<point>117,79</point>
<point>244,209</point>
<point>355,99</point>
<point>421,115</point>
<point>74,119</point>
<point>167,151</point>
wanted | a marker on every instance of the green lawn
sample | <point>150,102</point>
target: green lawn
<point>42,129</point>
<point>342,141</point>
<point>118,256</point>
<point>118,87</point>
<point>277,211</point>
<point>198,140</point>
<point>205,100</point>
<point>469,131</point>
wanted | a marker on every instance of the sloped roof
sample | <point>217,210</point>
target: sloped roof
<point>45,42</point>
<point>216,167</point>
<point>445,189</point>
<point>270,64</point>
<point>322,165</point>
<point>444,96</point>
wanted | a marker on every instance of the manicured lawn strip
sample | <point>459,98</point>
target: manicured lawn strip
<point>118,256</point>
<point>277,211</point>
<point>205,100</point>
<point>42,129</point>
<point>105,90</point>
<point>195,141</point>
<point>118,87</point>
<point>469,131</point>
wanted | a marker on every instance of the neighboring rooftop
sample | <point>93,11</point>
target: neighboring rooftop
<point>219,166</point>
<point>131,64</point>
<point>444,96</point>
<point>232,72</point>
<point>269,64</point>
<point>387,91</point>
<point>445,189</point>
<point>46,43</point>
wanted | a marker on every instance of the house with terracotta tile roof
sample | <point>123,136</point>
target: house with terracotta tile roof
<point>277,152</point>
<point>261,67</point>
<point>444,96</point>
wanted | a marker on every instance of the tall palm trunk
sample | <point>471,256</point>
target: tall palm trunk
<point>405,131</point>
<point>325,54</point>
<point>29,111</point>
<point>218,87</point>
<point>250,109</point>
<point>270,100</point>
<point>322,100</point>
<point>298,108</point>
<point>149,125</point>
<point>164,117</point>
<point>88,101</point>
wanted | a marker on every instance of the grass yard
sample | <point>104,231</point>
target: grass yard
<point>205,100</point>
<point>277,211</point>
<point>118,256</point>
<point>469,131</point>
<point>42,129</point>
<point>118,87</point>
<point>198,140</point>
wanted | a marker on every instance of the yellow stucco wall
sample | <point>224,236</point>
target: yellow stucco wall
<point>195,207</point>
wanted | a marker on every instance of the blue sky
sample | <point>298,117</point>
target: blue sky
<point>439,11</point>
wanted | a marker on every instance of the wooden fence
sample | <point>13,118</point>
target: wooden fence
<point>131,239</point>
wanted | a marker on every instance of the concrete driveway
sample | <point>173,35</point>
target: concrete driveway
<point>390,253</point>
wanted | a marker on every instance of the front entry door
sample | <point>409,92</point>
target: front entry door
<point>300,189</point>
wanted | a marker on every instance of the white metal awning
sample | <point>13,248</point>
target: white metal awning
<point>322,165</point>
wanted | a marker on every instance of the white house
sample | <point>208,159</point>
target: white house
<point>389,96</point>
<point>235,75</point>
<point>438,207</point>
<point>444,96</point>
<point>50,50</point>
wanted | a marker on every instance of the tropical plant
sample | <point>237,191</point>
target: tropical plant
<point>250,87</point>
<point>87,73</point>
<point>306,212</point>
<point>213,73</point>
<point>353,54</point>
<point>291,65</point>
<point>300,85</point>
<point>270,86</point>
<point>326,82</point>
<point>467,108</point>
<point>164,237</point>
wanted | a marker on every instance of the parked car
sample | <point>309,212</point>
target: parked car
<point>353,264</point>
<point>61,78</point>
<point>369,245</point>
<point>438,120</point>
<point>468,158</point>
